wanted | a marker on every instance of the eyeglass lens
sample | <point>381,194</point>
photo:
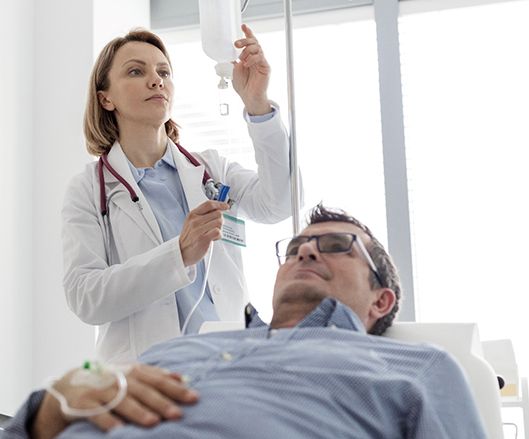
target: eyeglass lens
<point>328,243</point>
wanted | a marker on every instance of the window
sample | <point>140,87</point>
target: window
<point>465,88</point>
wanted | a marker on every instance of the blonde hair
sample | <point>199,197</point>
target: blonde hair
<point>100,126</point>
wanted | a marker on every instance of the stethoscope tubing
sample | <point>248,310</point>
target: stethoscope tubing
<point>103,161</point>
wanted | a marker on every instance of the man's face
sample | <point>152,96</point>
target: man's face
<point>311,275</point>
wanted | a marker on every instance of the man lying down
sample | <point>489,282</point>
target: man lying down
<point>319,370</point>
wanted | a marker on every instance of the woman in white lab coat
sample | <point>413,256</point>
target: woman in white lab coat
<point>137,270</point>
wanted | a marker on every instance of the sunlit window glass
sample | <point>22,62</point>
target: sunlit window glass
<point>465,90</point>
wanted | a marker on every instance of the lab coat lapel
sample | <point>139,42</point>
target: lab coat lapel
<point>142,215</point>
<point>190,177</point>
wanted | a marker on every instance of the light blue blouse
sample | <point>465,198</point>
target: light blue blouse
<point>163,190</point>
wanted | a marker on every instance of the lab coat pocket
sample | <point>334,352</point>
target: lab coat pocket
<point>130,240</point>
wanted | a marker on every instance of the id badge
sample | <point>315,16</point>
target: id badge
<point>233,230</point>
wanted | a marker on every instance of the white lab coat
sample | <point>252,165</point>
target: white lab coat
<point>123,278</point>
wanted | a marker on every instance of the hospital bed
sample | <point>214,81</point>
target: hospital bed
<point>3,421</point>
<point>515,390</point>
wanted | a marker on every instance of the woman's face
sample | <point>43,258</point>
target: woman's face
<point>141,86</point>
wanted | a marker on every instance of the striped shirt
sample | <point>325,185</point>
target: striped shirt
<point>324,378</point>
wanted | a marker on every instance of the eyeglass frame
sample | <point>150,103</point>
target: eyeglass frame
<point>359,242</point>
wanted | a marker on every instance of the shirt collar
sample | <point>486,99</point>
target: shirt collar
<point>168,157</point>
<point>329,313</point>
<point>139,173</point>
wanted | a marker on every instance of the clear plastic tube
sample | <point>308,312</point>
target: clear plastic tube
<point>202,292</point>
<point>86,413</point>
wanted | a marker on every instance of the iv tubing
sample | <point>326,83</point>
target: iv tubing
<point>86,413</point>
<point>202,292</point>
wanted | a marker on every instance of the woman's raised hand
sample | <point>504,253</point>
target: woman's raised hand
<point>251,74</point>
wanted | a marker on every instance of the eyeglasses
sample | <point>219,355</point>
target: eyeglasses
<point>326,243</point>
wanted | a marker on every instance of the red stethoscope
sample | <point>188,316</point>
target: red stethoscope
<point>212,189</point>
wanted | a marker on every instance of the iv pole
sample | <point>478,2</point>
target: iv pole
<point>294,171</point>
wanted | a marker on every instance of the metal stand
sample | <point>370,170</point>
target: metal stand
<point>294,171</point>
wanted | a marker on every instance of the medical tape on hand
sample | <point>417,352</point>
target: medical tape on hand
<point>92,375</point>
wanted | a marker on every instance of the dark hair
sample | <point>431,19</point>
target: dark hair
<point>100,126</point>
<point>383,261</point>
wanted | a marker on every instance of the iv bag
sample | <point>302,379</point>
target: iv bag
<point>220,26</point>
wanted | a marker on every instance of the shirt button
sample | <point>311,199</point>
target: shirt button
<point>226,356</point>
<point>273,332</point>
<point>216,289</point>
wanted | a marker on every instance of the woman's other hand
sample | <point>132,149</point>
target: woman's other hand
<point>251,74</point>
<point>202,226</point>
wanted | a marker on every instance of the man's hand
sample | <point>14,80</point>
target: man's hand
<point>202,226</point>
<point>152,395</point>
<point>252,74</point>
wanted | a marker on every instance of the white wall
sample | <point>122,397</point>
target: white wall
<point>49,58</point>
<point>16,120</point>
<point>63,57</point>
<point>113,18</point>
